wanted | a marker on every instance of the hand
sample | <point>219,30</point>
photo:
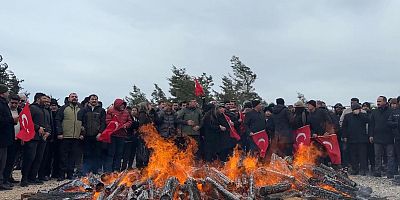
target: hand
<point>371,139</point>
<point>60,137</point>
<point>41,130</point>
<point>314,135</point>
<point>222,128</point>
<point>240,120</point>
<point>190,122</point>
<point>22,142</point>
<point>98,136</point>
<point>45,136</point>
<point>196,128</point>
<point>16,119</point>
<point>81,137</point>
<point>344,139</point>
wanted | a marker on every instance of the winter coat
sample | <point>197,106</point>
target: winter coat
<point>193,114</point>
<point>300,118</point>
<point>355,128</point>
<point>68,124</point>
<point>167,124</point>
<point>379,128</point>
<point>254,122</point>
<point>394,122</point>
<point>281,119</point>
<point>93,120</point>
<point>216,140</point>
<point>41,118</point>
<point>123,117</point>
<point>319,120</point>
<point>6,124</point>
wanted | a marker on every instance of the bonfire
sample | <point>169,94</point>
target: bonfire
<point>174,174</point>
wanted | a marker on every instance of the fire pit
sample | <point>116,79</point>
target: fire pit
<point>173,174</point>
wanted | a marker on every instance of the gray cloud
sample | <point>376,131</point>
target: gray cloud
<point>330,50</point>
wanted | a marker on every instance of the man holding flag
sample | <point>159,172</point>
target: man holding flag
<point>255,128</point>
<point>6,132</point>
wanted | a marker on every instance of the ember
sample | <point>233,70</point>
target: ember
<point>174,174</point>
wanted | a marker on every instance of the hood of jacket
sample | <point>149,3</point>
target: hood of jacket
<point>277,109</point>
<point>118,103</point>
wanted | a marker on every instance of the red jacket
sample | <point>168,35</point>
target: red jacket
<point>123,116</point>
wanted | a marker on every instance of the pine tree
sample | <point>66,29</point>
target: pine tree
<point>158,94</point>
<point>206,82</point>
<point>181,85</point>
<point>135,96</point>
<point>228,90</point>
<point>9,78</point>
<point>243,79</point>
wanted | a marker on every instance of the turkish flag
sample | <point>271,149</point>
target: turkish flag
<point>331,145</point>
<point>198,89</point>
<point>234,133</point>
<point>27,131</point>
<point>242,127</point>
<point>302,136</point>
<point>260,138</point>
<point>111,128</point>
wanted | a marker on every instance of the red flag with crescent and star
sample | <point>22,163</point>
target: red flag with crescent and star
<point>260,138</point>
<point>198,89</point>
<point>302,137</point>
<point>111,128</point>
<point>27,131</point>
<point>331,145</point>
<point>233,133</point>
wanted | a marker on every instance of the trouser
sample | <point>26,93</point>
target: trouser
<point>371,155</point>
<point>358,155</point>
<point>345,154</point>
<point>3,159</point>
<point>91,155</point>
<point>397,154</point>
<point>380,150</point>
<point>129,153</point>
<point>69,153</point>
<point>55,153</point>
<point>142,153</point>
<point>45,167</point>
<point>13,152</point>
<point>32,158</point>
<point>115,153</point>
<point>200,152</point>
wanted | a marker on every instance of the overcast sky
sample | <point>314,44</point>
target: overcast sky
<point>330,50</point>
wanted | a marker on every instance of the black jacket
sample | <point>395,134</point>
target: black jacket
<point>355,128</point>
<point>319,120</point>
<point>93,120</point>
<point>282,118</point>
<point>379,128</point>
<point>393,122</point>
<point>167,124</point>
<point>254,122</point>
<point>300,118</point>
<point>6,124</point>
<point>216,140</point>
<point>41,118</point>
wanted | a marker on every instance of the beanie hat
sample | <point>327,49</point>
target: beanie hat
<point>247,104</point>
<point>254,103</point>
<point>312,102</point>
<point>3,88</point>
<point>355,106</point>
<point>280,101</point>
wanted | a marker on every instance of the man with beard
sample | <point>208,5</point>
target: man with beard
<point>167,121</point>
<point>69,132</point>
<point>382,136</point>
<point>283,137</point>
<point>319,119</point>
<point>93,119</point>
<point>34,149</point>
<point>14,149</point>
<point>255,124</point>
<point>6,132</point>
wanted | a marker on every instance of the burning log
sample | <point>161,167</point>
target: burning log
<point>339,176</point>
<point>323,193</point>
<point>169,189</point>
<point>143,196</point>
<point>224,192</point>
<point>116,192</point>
<point>272,189</point>
<point>190,187</point>
<point>72,185</point>
<point>61,195</point>
<point>252,193</point>
<point>285,195</point>
<point>284,177</point>
<point>340,187</point>
<point>117,181</point>
<point>216,174</point>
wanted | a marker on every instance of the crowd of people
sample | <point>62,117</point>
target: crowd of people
<point>66,141</point>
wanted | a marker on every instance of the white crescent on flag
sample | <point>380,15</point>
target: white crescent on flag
<point>25,122</point>
<point>301,135</point>
<point>116,126</point>
<point>328,143</point>
<point>261,140</point>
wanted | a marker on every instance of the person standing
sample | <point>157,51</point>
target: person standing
<point>255,123</point>
<point>393,122</point>
<point>33,150</point>
<point>69,133</point>
<point>355,134</point>
<point>283,137</point>
<point>6,132</point>
<point>93,119</point>
<point>382,136</point>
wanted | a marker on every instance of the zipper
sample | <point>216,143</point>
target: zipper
<point>74,123</point>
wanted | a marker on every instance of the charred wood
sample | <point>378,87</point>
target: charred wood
<point>323,193</point>
<point>224,192</point>
<point>284,195</point>
<point>116,192</point>
<point>272,189</point>
<point>169,189</point>
<point>190,187</point>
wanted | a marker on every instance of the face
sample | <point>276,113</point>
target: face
<point>73,98</point>
<point>380,102</point>
<point>192,103</point>
<point>258,107</point>
<point>93,101</point>
<point>167,107</point>
<point>22,101</point>
<point>135,111</point>
<point>221,109</point>
<point>357,111</point>
<point>5,95</point>
<point>162,105</point>
<point>268,113</point>
<point>394,105</point>
<point>338,110</point>
<point>44,101</point>
<point>53,107</point>
<point>310,107</point>
<point>175,106</point>
<point>13,104</point>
